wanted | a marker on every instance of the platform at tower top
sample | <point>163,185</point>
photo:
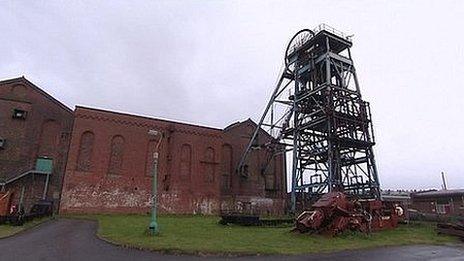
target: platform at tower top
<point>330,29</point>
<point>338,41</point>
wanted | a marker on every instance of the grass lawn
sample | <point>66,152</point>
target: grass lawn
<point>7,230</point>
<point>203,234</point>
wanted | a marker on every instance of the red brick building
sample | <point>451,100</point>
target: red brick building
<point>34,136</point>
<point>110,163</point>
<point>439,202</point>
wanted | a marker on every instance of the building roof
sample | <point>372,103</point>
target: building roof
<point>439,193</point>
<point>239,123</point>
<point>25,81</point>
<point>395,197</point>
<point>248,121</point>
<point>144,117</point>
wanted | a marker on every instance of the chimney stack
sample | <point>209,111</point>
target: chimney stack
<point>444,180</point>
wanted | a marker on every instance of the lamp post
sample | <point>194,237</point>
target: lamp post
<point>153,227</point>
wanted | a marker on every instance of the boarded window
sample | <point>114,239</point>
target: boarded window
<point>116,155</point>
<point>226,166</point>
<point>84,158</point>
<point>185,162</point>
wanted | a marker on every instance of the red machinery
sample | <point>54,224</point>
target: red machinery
<point>334,213</point>
<point>5,203</point>
<point>16,215</point>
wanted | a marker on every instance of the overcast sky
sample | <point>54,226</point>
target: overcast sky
<point>215,62</point>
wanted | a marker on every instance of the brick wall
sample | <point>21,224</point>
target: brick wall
<point>262,193</point>
<point>110,162</point>
<point>444,205</point>
<point>44,132</point>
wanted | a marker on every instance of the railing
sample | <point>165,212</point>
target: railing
<point>43,166</point>
<point>298,42</point>
<point>330,29</point>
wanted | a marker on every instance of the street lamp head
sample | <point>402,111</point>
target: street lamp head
<point>153,132</point>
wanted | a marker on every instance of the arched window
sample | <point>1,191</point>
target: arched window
<point>226,166</point>
<point>270,175</point>
<point>49,138</point>
<point>185,161</point>
<point>116,155</point>
<point>209,155</point>
<point>209,165</point>
<point>19,91</point>
<point>84,158</point>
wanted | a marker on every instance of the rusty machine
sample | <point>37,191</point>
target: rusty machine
<point>319,120</point>
<point>335,212</point>
<point>5,204</point>
<point>15,214</point>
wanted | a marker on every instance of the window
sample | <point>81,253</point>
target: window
<point>209,165</point>
<point>116,155</point>
<point>226,166</point>
<point>19,114</point>
<point>441,208</point>
<point>185,162</point>
<point>270,175</point>
<point>49,138</point>
<point>84,158</point>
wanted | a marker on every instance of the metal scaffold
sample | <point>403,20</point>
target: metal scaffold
<point>316,114</point>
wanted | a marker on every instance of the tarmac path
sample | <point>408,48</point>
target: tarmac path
<point>67,239</point>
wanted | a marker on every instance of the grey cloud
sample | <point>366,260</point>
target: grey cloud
<point>215,62</point>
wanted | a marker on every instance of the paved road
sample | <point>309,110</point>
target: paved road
<point>67,239</point>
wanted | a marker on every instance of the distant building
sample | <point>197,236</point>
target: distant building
<point>398,196</point>
<point>35,130</point>
<point>441,202</point>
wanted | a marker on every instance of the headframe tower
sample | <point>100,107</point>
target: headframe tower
<point>316,114</point>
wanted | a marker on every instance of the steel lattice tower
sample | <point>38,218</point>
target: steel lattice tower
<point>317,115</point>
